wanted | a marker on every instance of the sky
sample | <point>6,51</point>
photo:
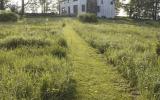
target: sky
<point>122,12</point>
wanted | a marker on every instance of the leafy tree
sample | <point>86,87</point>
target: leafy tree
<point>22,9</point>
<point>140,9</point>
<point>118,5</point>
<point>2,4</point>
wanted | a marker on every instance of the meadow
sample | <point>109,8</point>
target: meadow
<point>65,59</point>
<point>131,47</point>
<point>34,62</point>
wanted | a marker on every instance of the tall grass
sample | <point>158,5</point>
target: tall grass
<point>30,68</point>
<point>131,48</point>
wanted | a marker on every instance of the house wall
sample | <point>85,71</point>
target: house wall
<point>70,4</point>
<point>106,9</point>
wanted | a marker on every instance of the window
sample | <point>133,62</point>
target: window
<point>101,1</point>
<point>75,0</point>
<point>75,9</point>
<point>69,10</point>
<point>112,2</point>
<point>98,8</point>
<point>83,8</point>
<point>63,10</point>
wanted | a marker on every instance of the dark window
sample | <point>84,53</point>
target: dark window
<point>75,9</point>
<point>98,8</point>
<point>83,8</point>
<point>112,2</point>
<point>63,10</point>
<point>75,0</point>
<point>101,1</point>
<point>68,10</point>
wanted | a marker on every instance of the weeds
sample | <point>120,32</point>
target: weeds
<point>30,68</point>
<point>59,52</point>
<point>14,42</point>
<point>127,48</point>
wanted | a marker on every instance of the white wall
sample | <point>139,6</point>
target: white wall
<point>106,9</point>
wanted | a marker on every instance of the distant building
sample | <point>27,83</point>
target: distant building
<point>102,8</point>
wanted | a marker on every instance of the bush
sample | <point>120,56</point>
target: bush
<point>14,42</point>
<point>59,52</point>
<point>8,16</point>
<point>158,49</point>
<point>91,18</point>
<point>157,91</point>
<point>62,42</point>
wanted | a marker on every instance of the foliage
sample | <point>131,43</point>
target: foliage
<point>3,4</point>
<point>8,16</point>
<point>91,18</point>
<point>142,9</point>
<point>14,42</point>
<point>158,49</point>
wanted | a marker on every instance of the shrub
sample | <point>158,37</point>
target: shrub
<point>62,42</point>
<point>52,90</point>
<point>8,16</point>
<point>48,90</point>
<point>59,52</point>
<point>14,42</point>
<point>24,91</point>
<point>34,69</point>
<point>91,18</point>
<point>158,49</point>
<point>157,91</point>
<point>64,24</point>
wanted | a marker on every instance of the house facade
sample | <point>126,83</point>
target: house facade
<point>102,8</point>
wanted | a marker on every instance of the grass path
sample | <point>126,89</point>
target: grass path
<point>94,79</point>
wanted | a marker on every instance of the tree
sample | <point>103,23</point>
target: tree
<point>2,4</point>
<point>140,9</point>
<point>43,5</point>
<point>22,9</point>
<point>32,6</point>
<point>13,8</point>
<point>48,5</point>
<point>118,5</point>
<point>156,8</point>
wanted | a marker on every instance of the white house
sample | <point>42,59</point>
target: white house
<point>102,8</point>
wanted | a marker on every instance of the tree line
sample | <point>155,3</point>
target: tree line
<point>32,6</point>
<point>143,9</point>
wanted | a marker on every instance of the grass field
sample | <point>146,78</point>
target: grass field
<point>64,59</point>
<point>132,48</point>
<point>33,61</point>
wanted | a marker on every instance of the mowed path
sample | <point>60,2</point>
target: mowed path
<point>94,79</point>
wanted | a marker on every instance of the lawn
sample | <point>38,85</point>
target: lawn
<point>65,59</point>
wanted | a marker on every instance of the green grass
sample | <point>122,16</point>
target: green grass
<point>64,59</point>
<point>94,79</point>
<point>130,47</point>
<point>28,67</point>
